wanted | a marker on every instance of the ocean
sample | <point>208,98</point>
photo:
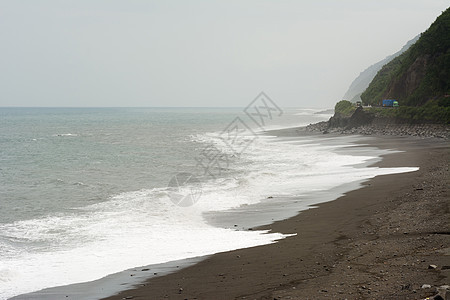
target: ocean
<point>88,192</point>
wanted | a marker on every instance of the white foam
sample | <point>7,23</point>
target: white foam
<point>132,229</point>
<point>145,227</point>
<point>295,168</point>
<point>65,134</point>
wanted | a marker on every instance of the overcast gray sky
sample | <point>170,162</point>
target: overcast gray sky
<point>197,53</point>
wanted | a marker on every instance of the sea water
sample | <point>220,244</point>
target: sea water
<point>87,192</point>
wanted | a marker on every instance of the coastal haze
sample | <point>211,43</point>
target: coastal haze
<point>190,149</point>
<point>196,53</point>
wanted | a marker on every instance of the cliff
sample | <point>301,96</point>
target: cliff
<point>419,75</point>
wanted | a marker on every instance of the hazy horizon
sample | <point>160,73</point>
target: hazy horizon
<point>197,53</point>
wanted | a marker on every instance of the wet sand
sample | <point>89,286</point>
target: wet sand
<point>376,242</point>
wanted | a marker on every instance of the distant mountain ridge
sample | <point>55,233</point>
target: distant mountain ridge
<point>360,84</point>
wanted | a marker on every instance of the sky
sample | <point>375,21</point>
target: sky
<point>197,53</point>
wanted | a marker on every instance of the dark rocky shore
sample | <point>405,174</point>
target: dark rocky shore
<point>366,124</point>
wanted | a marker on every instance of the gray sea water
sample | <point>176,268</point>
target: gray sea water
<point>55,159</point>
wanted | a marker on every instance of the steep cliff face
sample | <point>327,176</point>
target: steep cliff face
<point>410,80</point>
<point>420,74</point>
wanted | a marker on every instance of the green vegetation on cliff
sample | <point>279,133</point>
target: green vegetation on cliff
<point>344,108</point>
<point>435,111</point>
<point>418,76</point>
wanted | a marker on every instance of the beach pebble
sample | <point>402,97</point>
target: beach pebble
<point>444,292</point>
<point>426,286</point>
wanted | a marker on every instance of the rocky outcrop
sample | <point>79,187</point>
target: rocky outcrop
<point>357,119</point>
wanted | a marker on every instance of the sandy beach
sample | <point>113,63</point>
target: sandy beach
<point>383,241</point>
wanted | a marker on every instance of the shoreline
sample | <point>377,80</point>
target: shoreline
<point>241,219</point>
<point>185,279</point>
<point>371,242</point>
